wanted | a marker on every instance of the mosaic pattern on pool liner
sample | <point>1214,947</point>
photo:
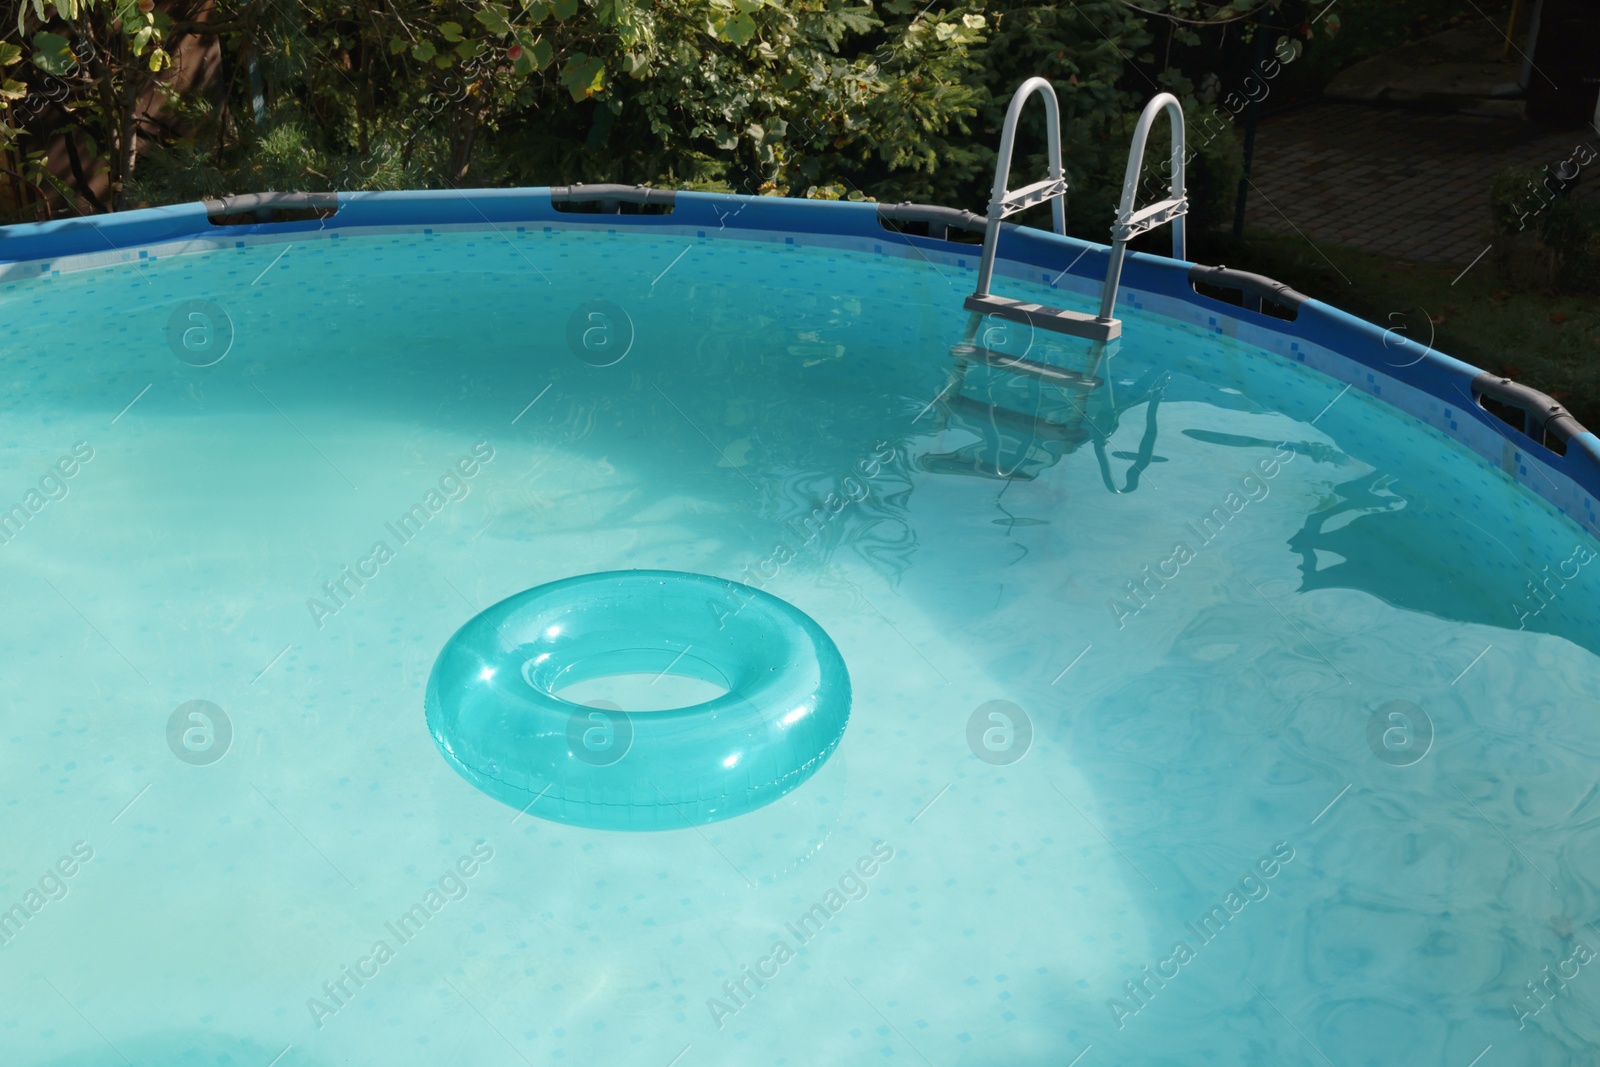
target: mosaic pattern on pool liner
<point>1493,442</point>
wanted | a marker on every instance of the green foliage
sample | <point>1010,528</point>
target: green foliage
<point>1549,233</point>
<point>756,97</point>
<point>892,100</point>
<point>91,64</point>
<point>52,53</point>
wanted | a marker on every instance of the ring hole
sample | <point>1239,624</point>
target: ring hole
<point>635,692</point>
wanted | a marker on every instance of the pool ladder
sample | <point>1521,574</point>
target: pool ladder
<point>979,345</point>
<point>1131,220</point>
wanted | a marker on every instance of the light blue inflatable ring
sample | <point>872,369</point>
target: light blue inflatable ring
<point>492,709</point>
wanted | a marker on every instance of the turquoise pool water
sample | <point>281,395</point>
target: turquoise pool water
<point>1329,740</point>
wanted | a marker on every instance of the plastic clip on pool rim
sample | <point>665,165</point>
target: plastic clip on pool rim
<point>493,711</point>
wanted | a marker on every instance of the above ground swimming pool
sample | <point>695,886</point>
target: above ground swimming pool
<point>1224,695</point>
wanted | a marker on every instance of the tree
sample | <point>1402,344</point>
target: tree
<point>892,100</point>
<point>93,69</point>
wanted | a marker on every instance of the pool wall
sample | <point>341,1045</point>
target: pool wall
<point>1428,385</point>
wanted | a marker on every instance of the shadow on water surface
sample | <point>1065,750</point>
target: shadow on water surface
<point>1413,553</point>
<point>1418,552</point>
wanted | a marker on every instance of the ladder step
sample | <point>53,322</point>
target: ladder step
<point>1018,199</point>
<point>1032,368</point>
<point>1057,320</point>
<point>1148,218</point>
<point>1017,420</point>
<point>956,463</point>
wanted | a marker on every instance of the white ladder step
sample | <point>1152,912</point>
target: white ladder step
<point>1030,195</point>
<point>1056,320</point>
<point>1032,368</point>
<point>1148,218</point>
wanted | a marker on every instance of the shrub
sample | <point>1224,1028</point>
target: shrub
<point>1546,227</point>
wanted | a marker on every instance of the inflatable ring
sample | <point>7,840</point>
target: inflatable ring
<point>493,710</point>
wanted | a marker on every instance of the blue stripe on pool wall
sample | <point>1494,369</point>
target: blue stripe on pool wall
<point>1387,356</point>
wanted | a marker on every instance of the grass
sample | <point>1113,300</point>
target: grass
<point>1548,340</point>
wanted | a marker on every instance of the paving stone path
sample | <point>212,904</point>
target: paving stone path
<point>1407,184</point>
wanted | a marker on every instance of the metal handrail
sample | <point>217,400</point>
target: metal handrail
<point>1131,220</point>
<point>1002,201</point>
